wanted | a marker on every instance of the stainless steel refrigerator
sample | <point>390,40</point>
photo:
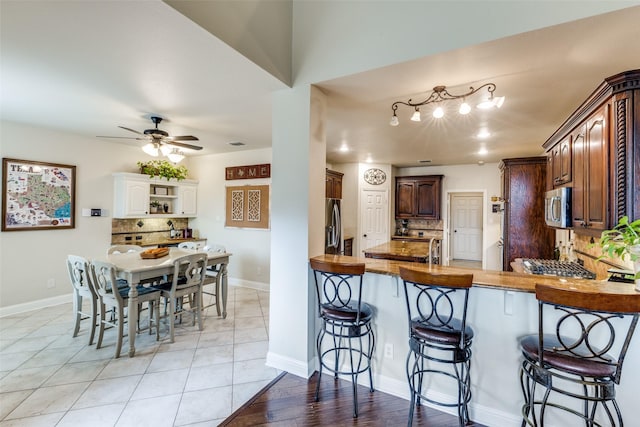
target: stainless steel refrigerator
<point>333,228</point>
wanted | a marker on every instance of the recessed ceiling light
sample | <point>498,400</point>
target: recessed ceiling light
<point>483,151</point>
<point>483,133</point>
<point>344,148</point>
<point>237,143</point>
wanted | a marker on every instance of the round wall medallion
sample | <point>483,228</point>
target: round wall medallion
<point>375,176</point>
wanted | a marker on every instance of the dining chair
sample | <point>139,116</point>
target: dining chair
<point>78,268</point>
<point>213,277</point>
<point>188,280</point>
<point>103,279</point>
<point>123,249</point>
<point>188,245</point>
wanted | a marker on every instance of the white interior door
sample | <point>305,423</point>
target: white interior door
<point>374,218</point>
<point>466,227</point>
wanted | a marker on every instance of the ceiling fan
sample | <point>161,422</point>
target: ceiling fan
<point>158,138</point>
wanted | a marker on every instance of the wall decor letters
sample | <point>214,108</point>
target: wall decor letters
<point>248,172</point>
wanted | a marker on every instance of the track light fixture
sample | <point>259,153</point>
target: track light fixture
<point>440,94</point>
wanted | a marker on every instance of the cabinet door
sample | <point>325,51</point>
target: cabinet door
<point>428,199</point>
<point>136,198</point>
<point>405,199</point>
<point>188,200</point>
<point>579,179</point>
<point>556,165</point>
<point>565,161</point>
<point>590,186</point>
<point>597,182</point>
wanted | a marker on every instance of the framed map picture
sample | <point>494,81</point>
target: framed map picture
<point>37,195</point>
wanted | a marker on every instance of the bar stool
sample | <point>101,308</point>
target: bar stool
<point>439,337</point>
<point>346,320</point>
<point>578,352</point>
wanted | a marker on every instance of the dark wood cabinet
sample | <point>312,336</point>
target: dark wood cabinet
<point>418,196</point>
<point>590,194</point>
<point>348,246</point>
<point>604,135</point>
<point>560,163</point>
<point>524,232</point>
<point>333,185</point>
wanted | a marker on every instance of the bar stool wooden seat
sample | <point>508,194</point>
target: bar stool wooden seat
<point>439,337</point>
<point>346,320</point>
<point>578,352</point>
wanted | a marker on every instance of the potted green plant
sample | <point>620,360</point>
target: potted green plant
<point>154,206</point>
<point>164,169</point>
<point>623,241</point>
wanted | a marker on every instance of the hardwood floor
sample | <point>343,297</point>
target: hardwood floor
<point>289,401</point>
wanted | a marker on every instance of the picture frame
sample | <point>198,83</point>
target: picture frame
<point>37,195</point>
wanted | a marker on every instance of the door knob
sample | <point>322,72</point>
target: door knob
<point>455,231</point>
<point>364,235</point>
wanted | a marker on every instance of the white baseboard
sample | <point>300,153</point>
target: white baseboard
<point>292,366</point>
<point>35,305</point>
<point>259,286</point>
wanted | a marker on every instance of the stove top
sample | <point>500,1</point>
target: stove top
<point>552,267</point>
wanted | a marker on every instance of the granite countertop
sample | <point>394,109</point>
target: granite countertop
<point>503,280</point>
<point>425,238</point>
<point>400,250</point>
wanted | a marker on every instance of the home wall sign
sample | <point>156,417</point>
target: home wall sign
<point>247,206</point>
<point>37,195</point>
<point>248,172</point>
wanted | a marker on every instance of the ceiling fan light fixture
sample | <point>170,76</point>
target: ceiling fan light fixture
<point>165,149</point>
<point>151,149</point>
<point>175,155</point>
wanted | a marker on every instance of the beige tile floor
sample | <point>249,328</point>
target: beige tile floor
<point>48,378</point>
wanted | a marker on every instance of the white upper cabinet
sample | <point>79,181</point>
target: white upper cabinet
<point>134,195</point>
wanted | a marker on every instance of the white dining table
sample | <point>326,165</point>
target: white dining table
<point>131,267</point>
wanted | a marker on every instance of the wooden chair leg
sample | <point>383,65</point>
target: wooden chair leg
<point>77,306</point>
<point>103,319</point>
<point>94,317</point>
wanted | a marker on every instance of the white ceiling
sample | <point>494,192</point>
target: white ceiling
<point>88,67</point>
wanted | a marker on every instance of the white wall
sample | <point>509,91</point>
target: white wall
<point>250,263</point>
<point>29,258</point>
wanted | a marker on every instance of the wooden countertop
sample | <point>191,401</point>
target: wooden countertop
<point>400,250</point>
<point>504,280</point>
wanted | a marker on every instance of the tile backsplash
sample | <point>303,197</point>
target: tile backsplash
<point>588,250</point>
<point>428,228</point>
<point>144,231</point>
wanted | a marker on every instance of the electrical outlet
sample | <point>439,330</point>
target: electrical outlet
<point>51,283</point>
<point>388,351</point>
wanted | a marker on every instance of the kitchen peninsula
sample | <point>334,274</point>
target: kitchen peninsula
<point>502,308</point>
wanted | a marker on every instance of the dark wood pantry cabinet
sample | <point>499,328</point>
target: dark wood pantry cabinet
<point>524,232</point>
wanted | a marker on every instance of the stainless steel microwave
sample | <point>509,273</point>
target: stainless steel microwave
<point>557,207</point>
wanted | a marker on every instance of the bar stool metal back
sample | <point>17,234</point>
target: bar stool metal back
<point>439,337</point>
<point>346,320</point>
<point>578,352</point>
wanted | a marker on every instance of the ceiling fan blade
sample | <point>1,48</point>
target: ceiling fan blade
<point>130,130</point>
<point>122,137</point>
<point>182,138</point>
<point>181,145</point>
